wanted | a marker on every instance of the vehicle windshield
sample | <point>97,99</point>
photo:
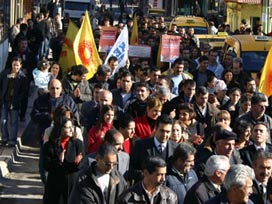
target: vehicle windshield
<point>77,6</point>
<point>253,61</point>
<point>207,40</point>
<point>198,30</point>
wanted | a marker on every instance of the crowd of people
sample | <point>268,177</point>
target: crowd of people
<point>195,132</point>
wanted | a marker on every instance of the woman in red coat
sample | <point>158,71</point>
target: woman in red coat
<point>146,124</point>
<point>96,134</point>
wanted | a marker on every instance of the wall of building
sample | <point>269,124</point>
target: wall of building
<point>236,12</point>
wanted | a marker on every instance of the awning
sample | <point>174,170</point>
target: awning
<point>246,1</point>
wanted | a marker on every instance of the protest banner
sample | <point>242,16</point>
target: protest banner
<point>107,39</point>
<point>170,48</point>
<point>139,51</point>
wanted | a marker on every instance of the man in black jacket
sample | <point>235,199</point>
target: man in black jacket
<point>257,113</point>
<point>224,145</point>
<point>158,145</point>
<point>237,186</point>
<point>215,170</point>
<point>259,135</point>
<point>136,107</point>
<point>101,182</point>
<point>262,165</point>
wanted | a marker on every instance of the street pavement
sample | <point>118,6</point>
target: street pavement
<point>19,175</point>
<point>22,183</point>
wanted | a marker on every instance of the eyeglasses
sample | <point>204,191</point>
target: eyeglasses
<point>109,164</point>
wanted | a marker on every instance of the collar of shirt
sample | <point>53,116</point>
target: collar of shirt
<point>264,185</point>
<point>259,147</point>
<point>176,171</point>
<point>259,183</point>
<point>152,195</point>
<point>216,186</point>
<point>203,110</point>
<point>159,144</point>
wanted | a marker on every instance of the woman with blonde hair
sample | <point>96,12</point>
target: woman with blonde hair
<point>224,117</point>
<point>177,135</point>
<point>146,124</point>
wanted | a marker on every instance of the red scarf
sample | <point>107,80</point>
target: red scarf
<point>64,142</point>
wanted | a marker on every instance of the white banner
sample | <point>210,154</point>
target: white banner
<point>120,50</point>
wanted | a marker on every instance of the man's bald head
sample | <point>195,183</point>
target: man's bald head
<point>105,98</point>
<point>55,88</point>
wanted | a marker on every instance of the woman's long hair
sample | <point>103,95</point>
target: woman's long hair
<point>60,112</point>
<point>56,133</point>
<point>60,70</point>
<point>104,110</point>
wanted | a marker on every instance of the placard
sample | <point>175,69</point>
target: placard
<point>170,48</point>
<point>107,38</point>
<point>139,51</point>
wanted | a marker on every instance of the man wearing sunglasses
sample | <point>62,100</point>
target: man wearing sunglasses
<point>101,183</point>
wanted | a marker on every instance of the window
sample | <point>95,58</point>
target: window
<point>4,19</point>
<point>77,6</point>
<point>253,61</point>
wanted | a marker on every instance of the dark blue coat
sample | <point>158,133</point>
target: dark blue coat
<point>180,184</point>
<point>42,109</point>
<point>118,99</point>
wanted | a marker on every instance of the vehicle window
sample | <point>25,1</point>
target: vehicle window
<point>253,61</point>
<point>198,30</point>
<point>77,6</point>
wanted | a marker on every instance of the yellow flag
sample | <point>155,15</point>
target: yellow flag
<point>67,56</point>
<point>134,39</point>
<point>265,86</point>
<point>85,49</point>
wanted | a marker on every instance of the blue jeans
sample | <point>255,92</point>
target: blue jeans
<point>44,49</point>
<point>9,124</point>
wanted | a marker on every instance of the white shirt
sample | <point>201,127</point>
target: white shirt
<point>263,184</point>
<point>159,145</point>
<point>103,181</point>
<point>202,110</point>
<point>218,187</point>
<point>153,195</point>
<point>259,147</point>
